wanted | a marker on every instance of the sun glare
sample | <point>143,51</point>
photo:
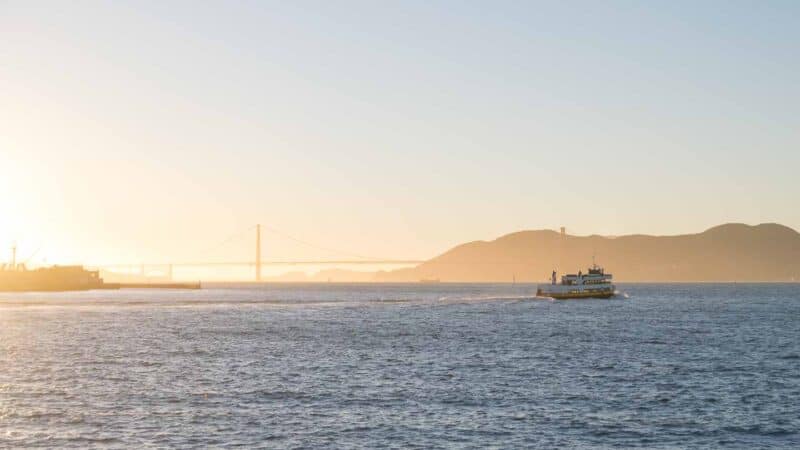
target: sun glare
<point>10,219</point>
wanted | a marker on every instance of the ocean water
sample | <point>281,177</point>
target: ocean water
<point>425,366</point>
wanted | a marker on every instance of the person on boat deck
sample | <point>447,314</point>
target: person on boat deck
<point>553,277</point>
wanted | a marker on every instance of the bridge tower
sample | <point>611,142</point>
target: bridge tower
<point>258,252</point>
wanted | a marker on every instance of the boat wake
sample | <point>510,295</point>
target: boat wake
<point>487,298</point>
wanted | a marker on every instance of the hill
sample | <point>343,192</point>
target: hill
<point>730,252</point>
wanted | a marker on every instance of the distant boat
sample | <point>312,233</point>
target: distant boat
<point>594,284</point>
<point>429,280</point>
<point>17,278</point>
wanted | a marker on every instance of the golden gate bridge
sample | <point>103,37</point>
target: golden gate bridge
<point>256,263</point>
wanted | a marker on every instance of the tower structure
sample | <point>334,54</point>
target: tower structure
<point>562,249</point>
<point>258,252</point>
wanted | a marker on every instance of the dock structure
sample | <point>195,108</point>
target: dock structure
<point>189,285</point>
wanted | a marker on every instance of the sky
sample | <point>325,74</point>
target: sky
<point>163,131</point>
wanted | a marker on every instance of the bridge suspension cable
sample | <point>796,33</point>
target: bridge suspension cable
<point>319,247</point>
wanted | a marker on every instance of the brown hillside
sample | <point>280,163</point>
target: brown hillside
<point>730,252</point>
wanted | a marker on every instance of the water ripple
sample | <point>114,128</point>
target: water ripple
<point>427,366</point>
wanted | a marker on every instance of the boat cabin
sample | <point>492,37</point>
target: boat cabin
<point>596,275</point>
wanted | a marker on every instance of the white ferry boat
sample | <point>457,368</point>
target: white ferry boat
<point>594,284</point>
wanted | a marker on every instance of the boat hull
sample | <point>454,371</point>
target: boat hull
<point>560,292</point>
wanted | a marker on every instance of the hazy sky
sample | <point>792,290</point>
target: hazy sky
<point>154,130</point>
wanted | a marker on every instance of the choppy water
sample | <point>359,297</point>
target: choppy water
<point>402,365</point>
